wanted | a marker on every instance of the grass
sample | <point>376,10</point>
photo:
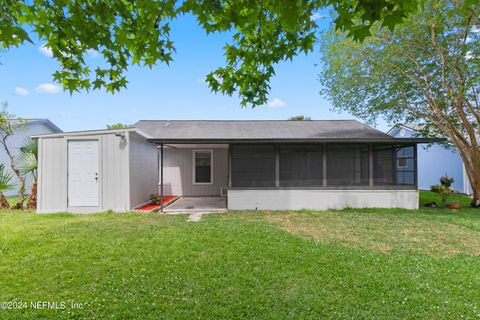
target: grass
<point>12,200</point>
<point>429,197</point>
<point>355,263</point>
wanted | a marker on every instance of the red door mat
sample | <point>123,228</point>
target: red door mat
<point>152,206</point>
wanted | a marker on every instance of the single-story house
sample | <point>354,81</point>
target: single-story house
<point>274,165</point>
<point>435,160</point>
<point>25,129</point>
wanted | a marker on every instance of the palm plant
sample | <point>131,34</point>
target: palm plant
<point>27,162</point>
<point>6,183</point>
<point>27,159</point>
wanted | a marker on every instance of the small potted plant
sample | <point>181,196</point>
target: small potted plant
<point>155,198</point>
<point>453,205</point>
<point>446,181</point>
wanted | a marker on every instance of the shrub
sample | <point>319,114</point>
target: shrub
<point>442,191</point>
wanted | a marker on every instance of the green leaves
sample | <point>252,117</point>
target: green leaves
<point>116,126</point>
<point>6,179</point>
<point>425,71</point>
<point>27,159</point>
<point>128,33</point>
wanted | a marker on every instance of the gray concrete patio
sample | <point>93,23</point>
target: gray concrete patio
<point>197,204</point>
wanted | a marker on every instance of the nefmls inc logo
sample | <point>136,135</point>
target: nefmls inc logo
<point>39,305</point>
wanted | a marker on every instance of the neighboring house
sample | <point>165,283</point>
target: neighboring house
<point>435,160</point>
<point>29,127</point>
<point>274,165</point>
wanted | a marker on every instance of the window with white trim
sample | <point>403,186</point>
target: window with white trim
<point>202,167</point>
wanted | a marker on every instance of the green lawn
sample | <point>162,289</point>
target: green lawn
<point>284,265</point>
<point>429,197</point>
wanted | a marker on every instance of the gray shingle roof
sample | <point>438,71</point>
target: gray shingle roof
<point>259,130</point>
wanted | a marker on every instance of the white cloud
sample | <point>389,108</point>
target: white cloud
<point>48,88</point>
<point>46,51</point>
<point>275,103</point>
<point>317,16</point>
<point>19,91</point>
<point>93,53</point>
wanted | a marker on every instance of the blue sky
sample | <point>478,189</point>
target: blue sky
<point>165,92</point>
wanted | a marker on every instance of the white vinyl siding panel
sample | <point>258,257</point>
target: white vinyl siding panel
<point>52,178</point>
<point>178,173</point>
<point>143,162</point>
<point>114,175</point>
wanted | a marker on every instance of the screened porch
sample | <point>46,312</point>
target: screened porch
<point>327,165</point>
<point>205,170</point>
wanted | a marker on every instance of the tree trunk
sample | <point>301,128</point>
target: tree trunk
<point>21,190</point>
<point>3,202</point>
<point>472,166</point>
<point>21,179</point>
<point>476,191</point>
<point>32,202</point>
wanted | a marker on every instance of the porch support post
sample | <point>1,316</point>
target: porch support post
<point>324,164</point>
<point>415,166</point>
<point>277,165</point>
<point>370,164</point>
<point>229,166</point>
<point>161,177</point>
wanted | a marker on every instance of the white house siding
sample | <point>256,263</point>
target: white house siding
<point>15,142</point>
<point>178,172</point>
<point>52,175</point>
<point>143,170</point>
<point>113,173</point>
<point>320,199</point>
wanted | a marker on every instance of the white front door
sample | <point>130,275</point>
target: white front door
<point>83,186</point>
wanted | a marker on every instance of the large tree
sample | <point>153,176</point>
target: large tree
<point>427,70</point>
<point>263,32</point>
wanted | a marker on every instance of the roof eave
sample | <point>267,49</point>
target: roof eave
<point>300,140</point>
<point>92,133</point>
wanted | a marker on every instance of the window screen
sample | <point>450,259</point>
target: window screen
<point>393,165</point>
<point>300,165</point>
<point>383,167</point>
<point>203,166</point>
<point>253,165</point>
<point>405,165</point>
<point>347,165</point>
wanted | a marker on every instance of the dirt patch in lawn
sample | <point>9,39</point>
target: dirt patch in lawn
<point>382,233</point>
